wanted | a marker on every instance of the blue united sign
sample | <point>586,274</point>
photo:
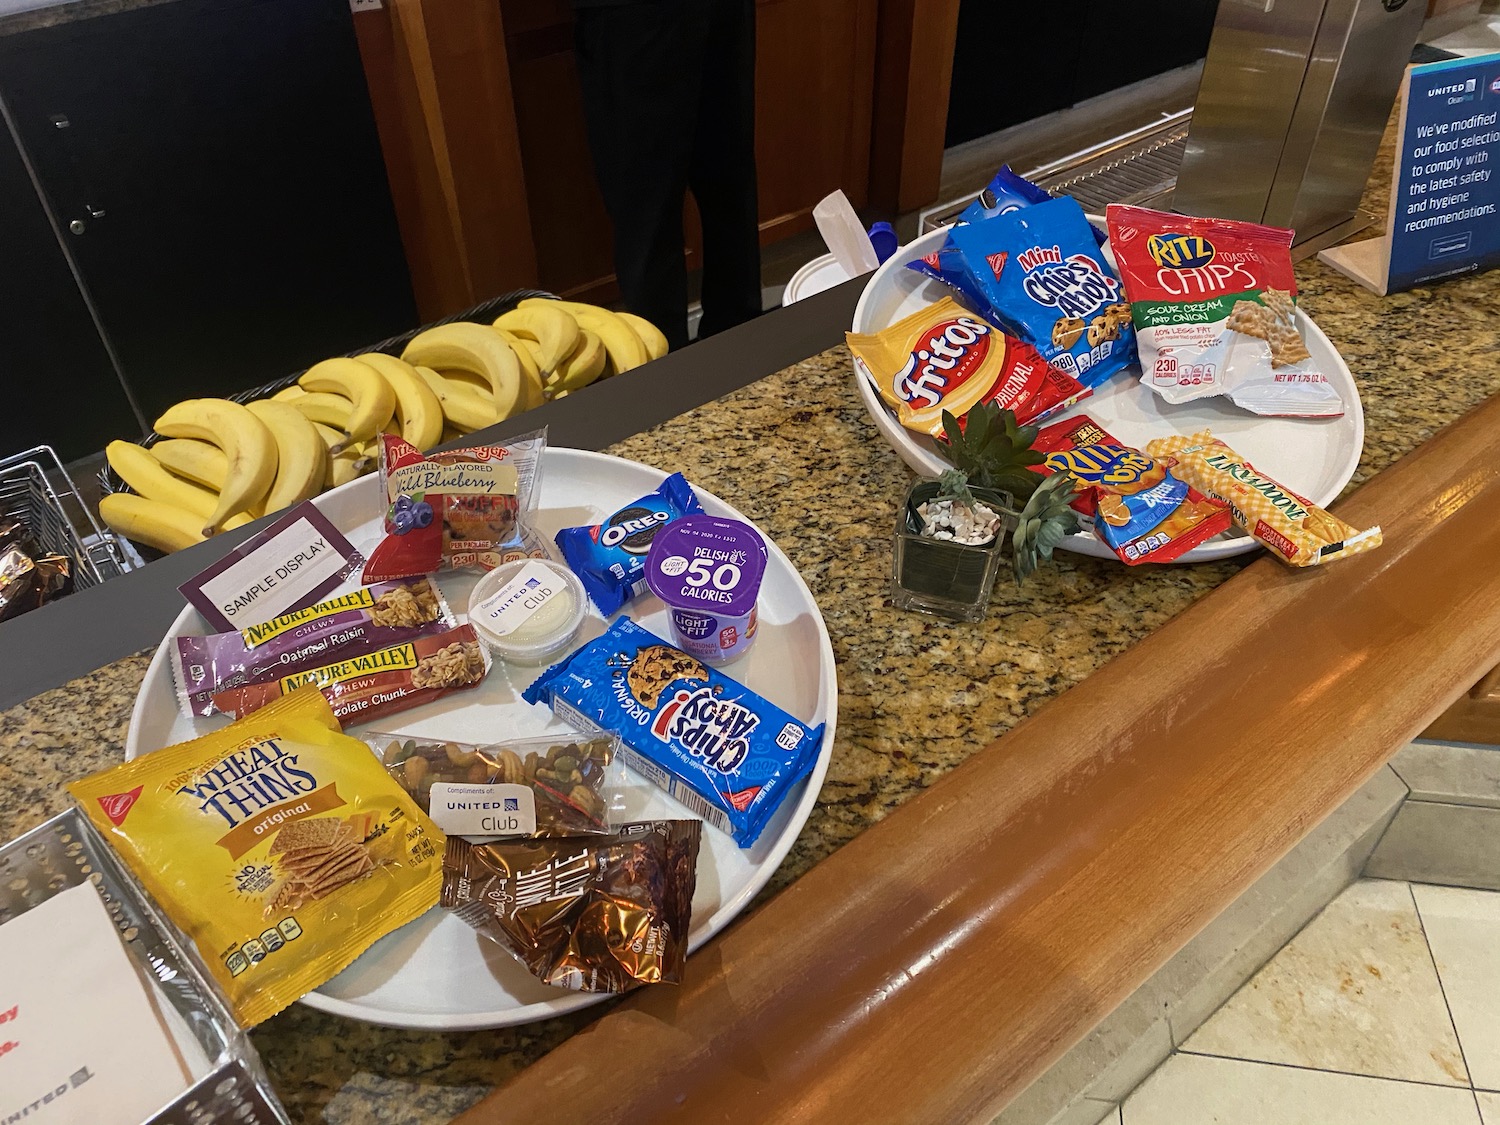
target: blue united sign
<point>1445,214</point>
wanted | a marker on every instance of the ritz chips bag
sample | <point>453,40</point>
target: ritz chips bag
<point>944,357</point>
<point>1140,510</point>
<point>1296,530</point>
<point>278,844</point>
<point>1215,308</point>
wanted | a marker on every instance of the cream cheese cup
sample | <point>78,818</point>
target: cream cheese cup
<point>707,571</point>
<point>528,610</point>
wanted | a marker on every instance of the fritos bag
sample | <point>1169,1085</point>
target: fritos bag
<point>944,357</point>
<point>278,844</point>
<point>1296,530</point>
<point>462,508</point>
<point>1140,510</point>
<point>1215,309</point>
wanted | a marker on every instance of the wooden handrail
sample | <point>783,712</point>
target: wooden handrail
<point>929,970</point>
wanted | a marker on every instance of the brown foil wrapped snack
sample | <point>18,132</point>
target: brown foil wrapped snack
<point>29,578</point>
<point>590,913</point>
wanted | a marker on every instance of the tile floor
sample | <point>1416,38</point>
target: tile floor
<point>1384,1010</point>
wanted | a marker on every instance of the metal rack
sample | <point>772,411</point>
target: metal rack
<point>1139,166</point>
<point>37,491</point>
<point>65,852</point>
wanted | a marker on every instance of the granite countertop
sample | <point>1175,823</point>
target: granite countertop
<point>797,454</point>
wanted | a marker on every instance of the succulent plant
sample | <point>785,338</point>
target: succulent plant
<point>1043,522</point>
<point>992,451</point>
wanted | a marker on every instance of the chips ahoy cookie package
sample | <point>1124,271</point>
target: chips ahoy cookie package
<point>1039,273</point>
<point>726,753</point>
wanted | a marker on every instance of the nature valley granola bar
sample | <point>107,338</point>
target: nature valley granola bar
<point>278,844</point>
<point>1295,529</point>
<point>1214,303</point>
<point>370,684</point>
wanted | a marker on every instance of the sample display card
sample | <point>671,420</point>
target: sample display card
<point>80,1039</point>
<point>1444,217</point>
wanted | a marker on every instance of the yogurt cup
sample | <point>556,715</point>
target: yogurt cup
<point>707,571</point>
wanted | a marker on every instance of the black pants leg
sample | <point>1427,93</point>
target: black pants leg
<point>668,90</point>
<point>721,173</point>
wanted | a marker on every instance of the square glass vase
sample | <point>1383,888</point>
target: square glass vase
<point>938,576</point>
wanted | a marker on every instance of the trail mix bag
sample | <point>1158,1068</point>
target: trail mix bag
<point>1215,308</point>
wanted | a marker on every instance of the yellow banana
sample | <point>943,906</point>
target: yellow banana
<point>238,521</point>
<point>374,401</point>
<point>331,410</point>
<point>151,522</point>
<point>582,367</point>
<point>197,461</point>
<point>465,407</point>
<point>246,442</point>
<point>345,465</point>
<point>286,394</point>
<point>302,458</point>
<point>451,434</point>
<point>144,473</point>
<point>419,413</point>
<point>526,352</point>
<point>624,347</point>
<point>550,326</point>
<point>477,348</point>
<point>650,335</point>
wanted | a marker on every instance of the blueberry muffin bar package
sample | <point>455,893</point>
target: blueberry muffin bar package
<point>1039,273</point>
<point>726,753</point>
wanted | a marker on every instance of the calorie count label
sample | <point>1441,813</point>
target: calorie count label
<point>712,574</point>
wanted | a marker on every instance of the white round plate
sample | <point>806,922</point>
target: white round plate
<point>823,272</point>
<point>436,972</point>
<point>1313,456</point>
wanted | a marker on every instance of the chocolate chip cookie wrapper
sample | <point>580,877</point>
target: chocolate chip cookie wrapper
<point>366,686</point>
<point>1010,191</point>
<point>610,557</point>
<point>368,619</point>
<point>1140,510</point>
<point>728,755</point>
<point>1038,273</point>
<point>588,913</point>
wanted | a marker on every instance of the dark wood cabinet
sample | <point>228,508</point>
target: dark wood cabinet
<point>218,162</point>
<point>815,72</point>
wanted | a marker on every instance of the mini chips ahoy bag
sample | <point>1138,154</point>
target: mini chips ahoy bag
<point>1010,191</point>
<point>1044,278</point>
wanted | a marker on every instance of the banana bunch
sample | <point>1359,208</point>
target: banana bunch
<point>220,464</point>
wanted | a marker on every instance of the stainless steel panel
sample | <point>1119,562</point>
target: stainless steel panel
<point>1252,76</point>
<point>1356,68</point>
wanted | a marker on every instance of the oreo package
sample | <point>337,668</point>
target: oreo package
<point>610,557</point>
<point>1039,273</point>
<point>727,754</point>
